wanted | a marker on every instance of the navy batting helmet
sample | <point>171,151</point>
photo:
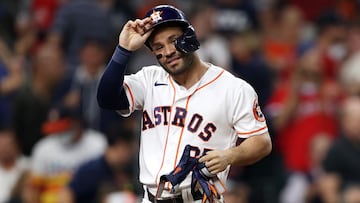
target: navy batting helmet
<point>163,15</point>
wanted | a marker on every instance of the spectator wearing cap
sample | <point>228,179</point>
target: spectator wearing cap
<point>55,157</point>
<point>112,173</point>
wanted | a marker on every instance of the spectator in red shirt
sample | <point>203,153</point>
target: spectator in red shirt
<point>300,111</point>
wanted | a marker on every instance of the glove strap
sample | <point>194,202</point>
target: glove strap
<point>160,189</point>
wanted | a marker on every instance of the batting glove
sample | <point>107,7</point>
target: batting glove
<point>175,177</point>
<point>206,180</point>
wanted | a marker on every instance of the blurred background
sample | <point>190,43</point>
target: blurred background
<point>301,56</point>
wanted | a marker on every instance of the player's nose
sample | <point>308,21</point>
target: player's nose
<point>169,50</point>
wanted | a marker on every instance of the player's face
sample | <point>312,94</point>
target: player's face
<point>162,44</point>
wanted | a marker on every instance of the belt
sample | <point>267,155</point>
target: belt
<point>175,199</point>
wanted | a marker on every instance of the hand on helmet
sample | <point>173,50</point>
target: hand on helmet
<point>135,33</point>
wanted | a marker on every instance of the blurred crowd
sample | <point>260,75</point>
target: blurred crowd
<point>302,57</point>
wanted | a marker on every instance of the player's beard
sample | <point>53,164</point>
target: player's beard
<point>186,62</point>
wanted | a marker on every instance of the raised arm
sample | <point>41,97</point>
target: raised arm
<point>110,94</point>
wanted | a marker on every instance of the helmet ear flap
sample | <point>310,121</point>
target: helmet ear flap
<point>187,42</point>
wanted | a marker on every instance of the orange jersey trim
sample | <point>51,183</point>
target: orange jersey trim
<point>131,96</point>
<point>251,132</point>
<point>206,84</point>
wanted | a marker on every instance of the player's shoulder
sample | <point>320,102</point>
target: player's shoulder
<point>152,71</point>
<point>230,80</point>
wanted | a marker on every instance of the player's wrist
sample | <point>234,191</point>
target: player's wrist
<point>123,49</point>
<point>121,55</point>
<point>229,157</point>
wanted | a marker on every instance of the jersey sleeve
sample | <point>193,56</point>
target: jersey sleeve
<point>135,86</point>
<point>247,118</point>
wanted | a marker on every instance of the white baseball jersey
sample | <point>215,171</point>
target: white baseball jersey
<point>52,156</point>
<point>211,114</point>
<point>54,160</point>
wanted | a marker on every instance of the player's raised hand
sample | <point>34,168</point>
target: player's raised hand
<point>135,33</point>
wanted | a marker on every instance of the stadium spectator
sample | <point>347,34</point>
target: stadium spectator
<point>302,110</point>
<point>247,61</point>
<point>341,182</point>
<point>282,42</point>
<point>234,16</point>
<point>329,44</point>
<point>43,13</point>
<point>349,70</point>
<point>299,112</point>
<point>8,18</point>
<point>84,86</point>
<point>31,104</point>
<point>119,12</point>
<point>11,79</point>
<point>113,172</point>
<point>319,147</point>
<point>12,163</point>
<point>55,157</point>
<point>77,21</point>
<point>249,64</point>
<point>21,192</point>
<point>214,47</point>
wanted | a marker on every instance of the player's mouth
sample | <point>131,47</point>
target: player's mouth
<point>173,61</point>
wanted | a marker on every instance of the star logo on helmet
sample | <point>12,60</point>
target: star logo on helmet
<point>156,16</point>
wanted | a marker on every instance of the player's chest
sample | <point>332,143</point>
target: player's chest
<point>192,110</point>
<point>206,103</point>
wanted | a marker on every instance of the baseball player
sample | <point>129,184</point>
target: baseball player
<point>185,102</point>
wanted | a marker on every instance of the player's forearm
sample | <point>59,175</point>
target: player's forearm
<point>110,93</point>
<point>250,150</point>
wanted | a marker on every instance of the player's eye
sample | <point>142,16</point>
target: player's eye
<point>157,48</point>
<point>173,39</point>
